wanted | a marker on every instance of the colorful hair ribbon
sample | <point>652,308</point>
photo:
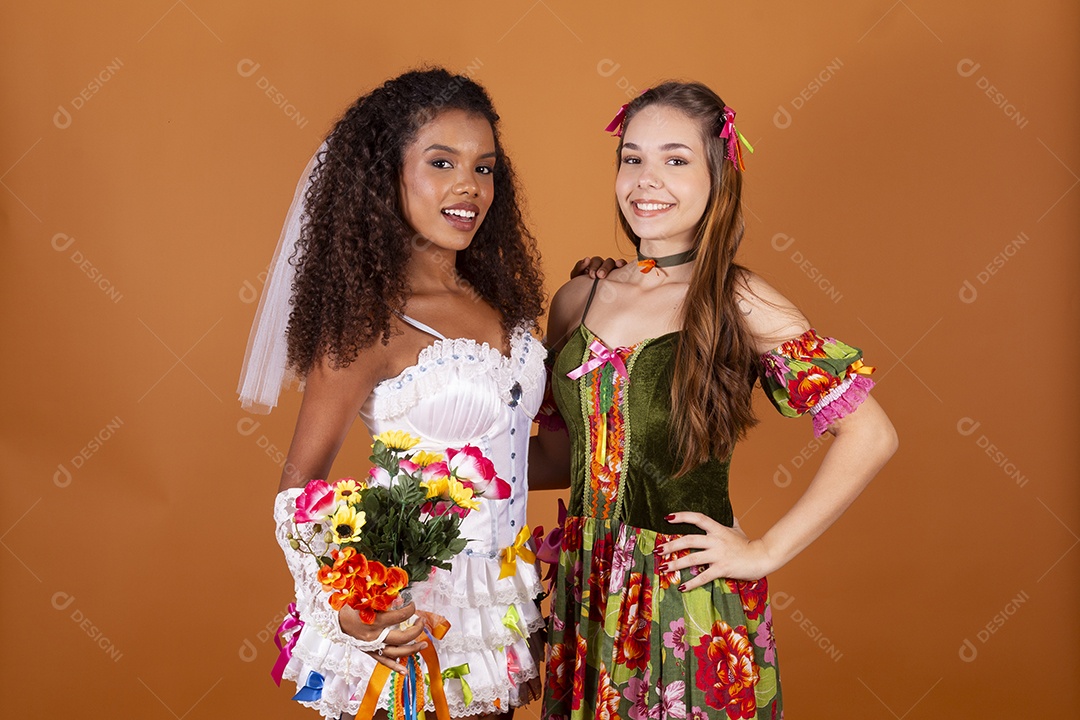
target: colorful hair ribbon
<point>734,138</point>
<point>615,126</point>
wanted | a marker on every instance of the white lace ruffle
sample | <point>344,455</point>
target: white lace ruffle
<point>477,634</point>
<point>474,582</point>
<point>461,358</point>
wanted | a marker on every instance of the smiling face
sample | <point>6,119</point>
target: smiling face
<point>446,184</point>
<point>663,182</point>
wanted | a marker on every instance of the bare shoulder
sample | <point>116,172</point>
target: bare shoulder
<point>566,308</point>
<point>769,316</point>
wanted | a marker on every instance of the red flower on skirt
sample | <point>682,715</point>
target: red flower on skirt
<point>599,576</point>
<point>726,670</point>
<point>754,595</point>
<point>635,622</point>
<point>579,672</point>
<point>572,530</point>
<point>607,698</point>
<point>560,669</point>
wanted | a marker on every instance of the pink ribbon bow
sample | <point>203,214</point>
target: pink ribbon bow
<point>601,355</point>
<point>513,666</point>
<point>292,620</point>
<point>615,126</point>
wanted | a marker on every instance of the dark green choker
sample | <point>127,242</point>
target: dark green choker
<point>647,263</point>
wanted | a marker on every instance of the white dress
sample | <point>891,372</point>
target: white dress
<point>459,392</point>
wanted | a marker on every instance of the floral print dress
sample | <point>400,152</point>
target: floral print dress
<point>624,642</point>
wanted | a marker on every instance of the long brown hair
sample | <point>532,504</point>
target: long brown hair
<point>714,370</point>
<point>355,244</point>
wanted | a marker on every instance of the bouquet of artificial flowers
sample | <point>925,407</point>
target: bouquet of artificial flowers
<point>373,539</point>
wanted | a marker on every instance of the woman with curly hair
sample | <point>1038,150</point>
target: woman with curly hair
<point>661,604</point>
<point>416,295</point>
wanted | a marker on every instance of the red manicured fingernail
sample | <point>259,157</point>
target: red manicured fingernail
<point>682,588</point>
<point>670,517</point>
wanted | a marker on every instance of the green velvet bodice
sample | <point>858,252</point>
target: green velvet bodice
<point>647,487</point>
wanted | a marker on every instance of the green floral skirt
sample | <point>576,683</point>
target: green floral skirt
<point>624,642</point>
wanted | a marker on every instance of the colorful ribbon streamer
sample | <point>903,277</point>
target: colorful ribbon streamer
<point>459,672</point>
<point>734,139</point>
<point>381,674</point>
<point>510,554</point>
<point>312,689</point>
<point>292,620</point>
<point>512,621</point>
<point>513,665</point>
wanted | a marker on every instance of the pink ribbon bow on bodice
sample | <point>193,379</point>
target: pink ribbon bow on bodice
<point>601,355</point>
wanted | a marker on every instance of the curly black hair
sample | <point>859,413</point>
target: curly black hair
<point>355,244</point>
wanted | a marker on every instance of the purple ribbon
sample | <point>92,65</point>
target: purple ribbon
<point>292,620</point>
<point>601,355</point>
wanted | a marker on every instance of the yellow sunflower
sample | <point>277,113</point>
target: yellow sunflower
<point>425,458</point>
<point>451,488</point>
<point>346,523</point>
<point>348,490</point>
<point>397,440</point>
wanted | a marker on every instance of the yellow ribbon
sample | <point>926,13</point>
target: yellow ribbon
<point>512,619</point>
<point>513,552</point>
<point>459,672</point>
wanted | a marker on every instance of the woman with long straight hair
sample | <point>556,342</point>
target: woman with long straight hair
<point>660,607</point>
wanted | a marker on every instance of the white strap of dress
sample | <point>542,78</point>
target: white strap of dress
<point>421,326</point>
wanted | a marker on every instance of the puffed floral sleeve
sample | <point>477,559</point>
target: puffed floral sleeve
<point>817,375</point>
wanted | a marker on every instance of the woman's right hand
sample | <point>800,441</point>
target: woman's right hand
<point>399,642</point>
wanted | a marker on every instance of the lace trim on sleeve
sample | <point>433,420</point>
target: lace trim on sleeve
<point>312,603</point>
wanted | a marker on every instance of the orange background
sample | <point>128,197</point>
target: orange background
<point>145,178</point>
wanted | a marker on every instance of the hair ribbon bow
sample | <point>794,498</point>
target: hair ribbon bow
<point>734,138</point>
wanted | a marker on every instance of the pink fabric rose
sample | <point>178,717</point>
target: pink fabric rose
<point>474,470</point>
<point>315,503</point>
